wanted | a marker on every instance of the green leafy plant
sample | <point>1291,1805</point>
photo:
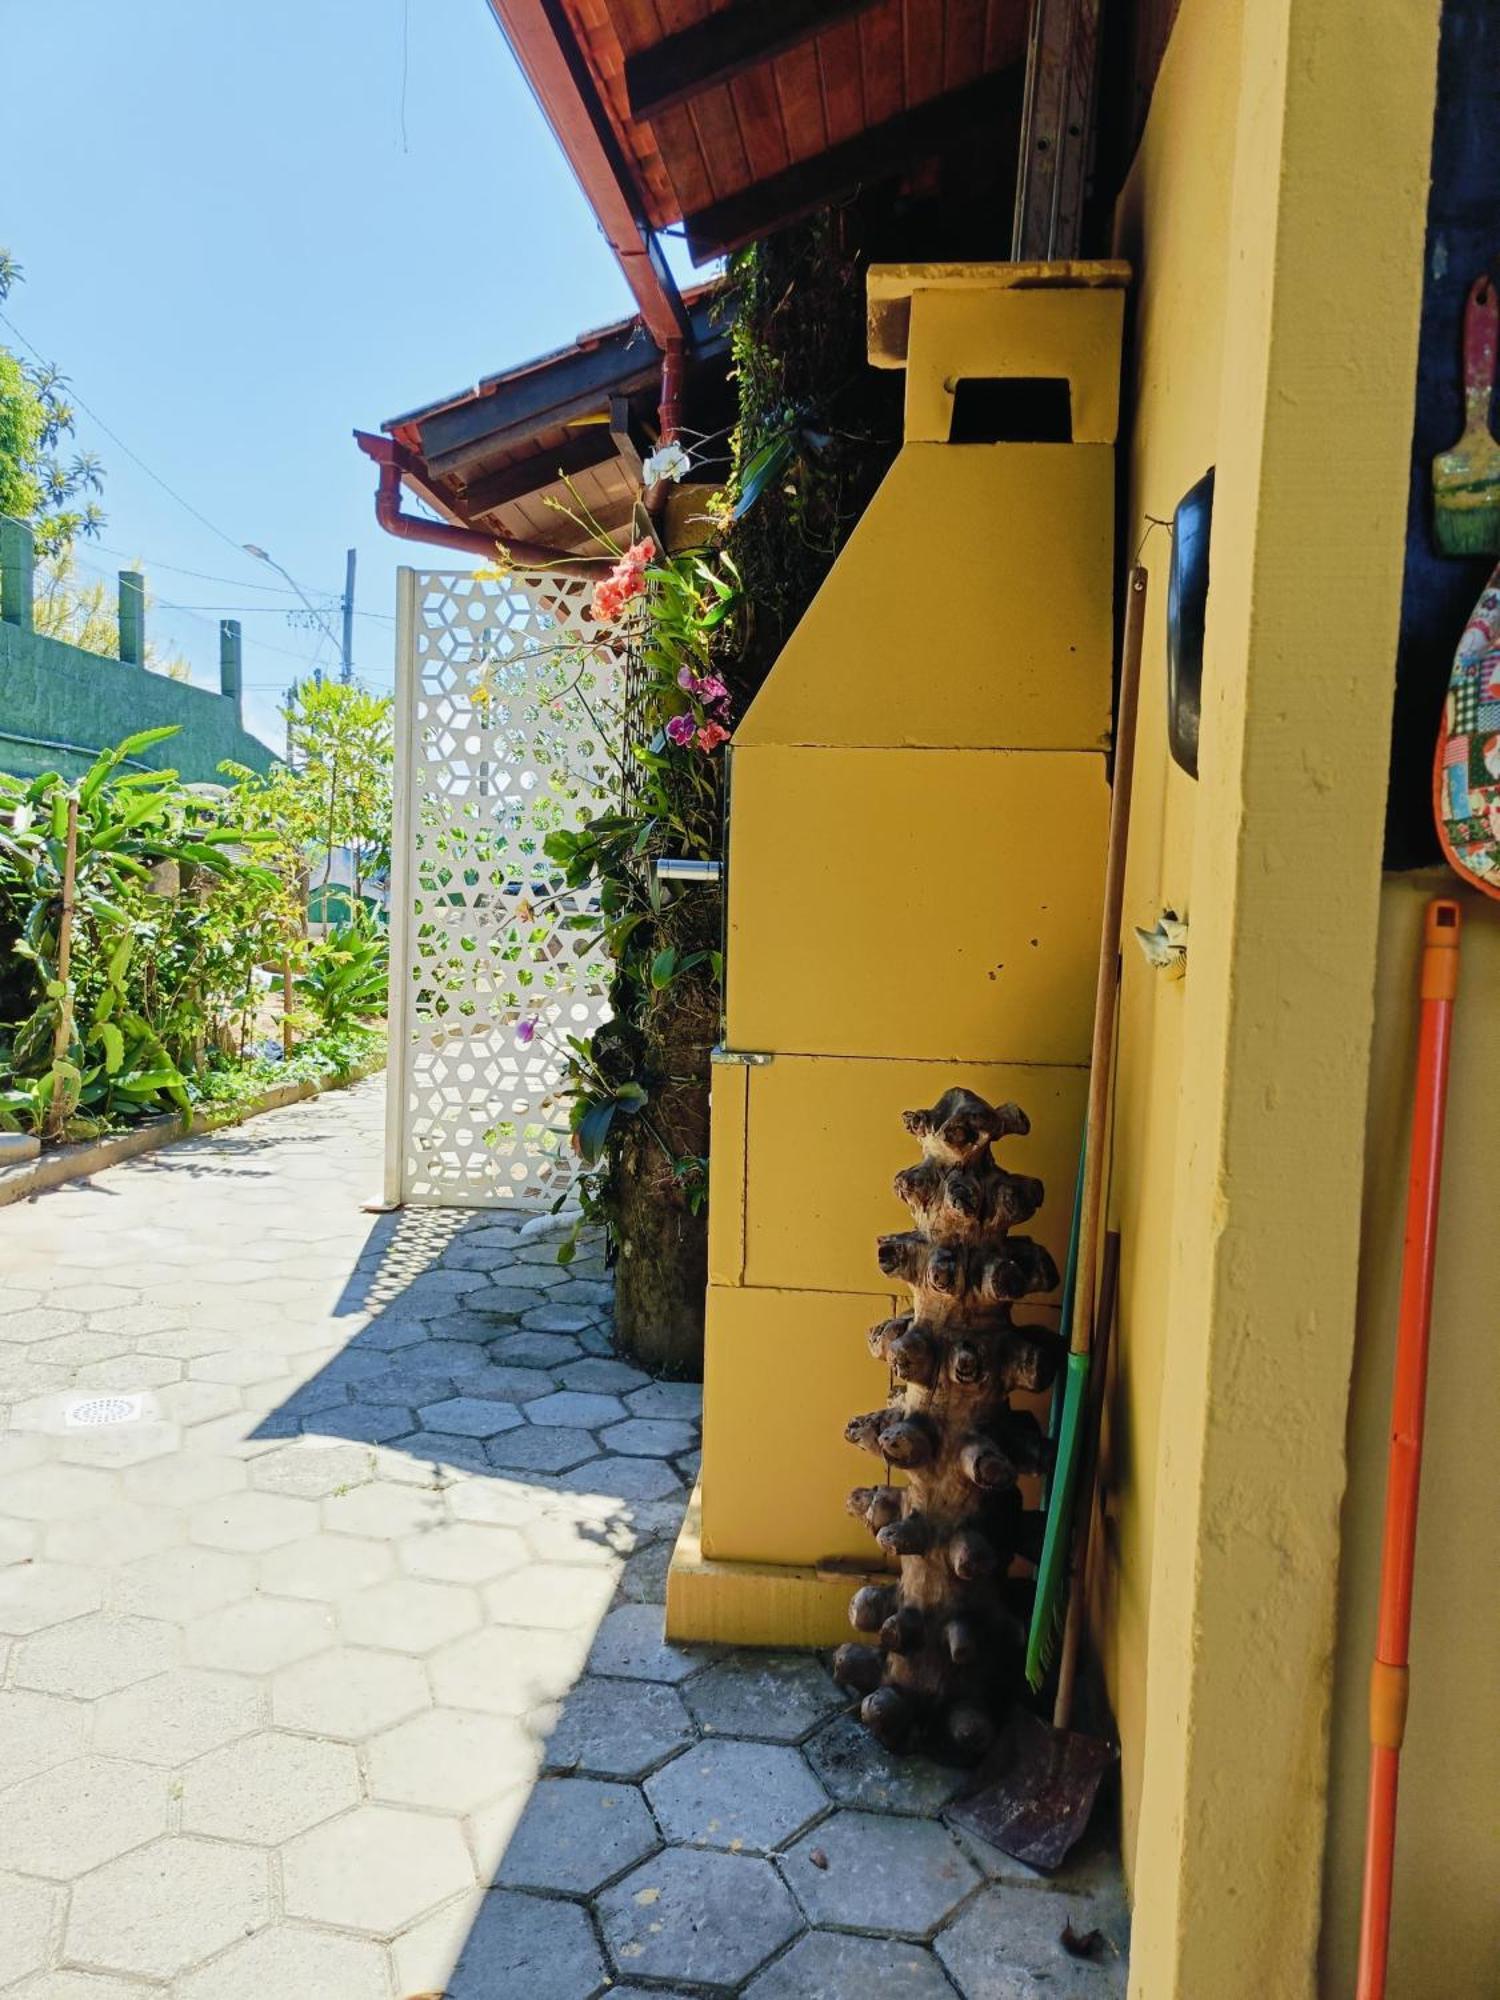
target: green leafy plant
<point>347,977</point>
<point>164,897</point>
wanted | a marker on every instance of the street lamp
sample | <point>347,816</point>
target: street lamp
<point>313,612</point>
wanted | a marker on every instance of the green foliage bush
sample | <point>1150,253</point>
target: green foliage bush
<point>348,974</point>
<point>171,915</point>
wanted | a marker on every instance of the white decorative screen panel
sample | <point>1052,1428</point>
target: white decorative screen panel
<point>509,727</point>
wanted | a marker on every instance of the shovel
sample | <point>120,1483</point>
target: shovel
<point>1040,1803</point>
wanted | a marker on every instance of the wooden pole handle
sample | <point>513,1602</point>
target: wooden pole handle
<point>1109,963</point>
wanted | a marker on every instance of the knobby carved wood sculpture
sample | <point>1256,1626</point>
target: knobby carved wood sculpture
<point>948,1637</point>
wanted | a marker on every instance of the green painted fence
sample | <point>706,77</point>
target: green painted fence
<point>60,706</point>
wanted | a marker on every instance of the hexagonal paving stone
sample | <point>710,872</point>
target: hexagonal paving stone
<point>698,1916</point>
<point>182,1583</point>
<point>501,1302</point>
<point>882,1873</point>
<point>555,1596</point>
<point>408,1615</point>
<point>855,1771</point>
<point>92,1298</point>
<point>780,1696</point>
<point>624,1478</point>
<point>735,1795</point>
<point>544,1450</point>
<point>382,1511</point>
<point>443,1452</point>
<point>644,1578</point>
<point>185,1480</point>
<point>586,1530</point>
<point>577,1834</point>
<point>375,1869</point>
<point>611,1378</point>
<point>375,1423</point>
<point>34,1595</point>
<point>241,1365</point>
<point>123,1532</point>
<point>52,1492</point>
<point>260,1634</point>
<point>85,1986</point>
<point>28,1912</point>
<point>471,1417</point>
<point>312,1469</point>
<point>501,1946</point>
<point>630,1644</point>
<point>93,1656</point>
<point>291,1960</point>
<point>575,1408</point>
<point>38,1731</point>
<point>167,1906</point>
<point>497,1503</point>
<point>616,1729</point>
<point>463,1552</point>
<point>175,1716</point>
<point>1007,1946</point>
<point>349,1693</point>
<point>68,1819</point>
<point>268,1787</point>
<point>825,1965</point>
<point>326,1567</point>
<point>253,1522</point>
<point>506,1384</point>
<point>36,1323</point>
<point>450,1759</point>
<point>681,1402</point>
<point>557,1319</point>
<point>507,1672</point>
<point>649,1437</point>
<point>536,1350</point>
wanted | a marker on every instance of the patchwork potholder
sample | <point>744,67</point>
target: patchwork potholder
<point>1466,770</point>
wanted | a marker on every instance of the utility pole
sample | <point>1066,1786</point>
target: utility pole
<point>346,673</point>
<point>291,702</point>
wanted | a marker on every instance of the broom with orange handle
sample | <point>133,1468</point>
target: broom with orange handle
<point>1389,1675</point>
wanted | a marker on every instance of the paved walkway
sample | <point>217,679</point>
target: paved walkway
<point>331,1663</point>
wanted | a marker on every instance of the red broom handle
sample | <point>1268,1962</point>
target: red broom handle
<point>1388,1675</point>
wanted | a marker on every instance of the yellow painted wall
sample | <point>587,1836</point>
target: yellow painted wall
<point>1275,220</point>
<point>1173,225</point>
<point>1446,1919</point>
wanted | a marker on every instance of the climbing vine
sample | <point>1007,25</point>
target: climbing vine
<point>703,627</point>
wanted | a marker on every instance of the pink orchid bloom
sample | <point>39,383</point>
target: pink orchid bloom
<point>711,735</point>
<point>680,729</point>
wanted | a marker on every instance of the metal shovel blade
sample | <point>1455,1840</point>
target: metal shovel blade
<point>1039,1806</point>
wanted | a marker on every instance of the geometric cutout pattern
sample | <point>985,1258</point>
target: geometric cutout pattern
<point>514,699</point>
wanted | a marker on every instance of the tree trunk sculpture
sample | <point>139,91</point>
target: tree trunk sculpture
<point>949,1635</point>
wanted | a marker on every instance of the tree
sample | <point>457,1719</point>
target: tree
<point>39,484</point>
<point>341,747</point>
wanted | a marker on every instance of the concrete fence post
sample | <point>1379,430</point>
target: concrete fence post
<point>231,682</point>
<point>132,618</point>
<point>17,561</point>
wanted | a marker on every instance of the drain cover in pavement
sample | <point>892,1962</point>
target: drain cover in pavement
<point>89,1412</point>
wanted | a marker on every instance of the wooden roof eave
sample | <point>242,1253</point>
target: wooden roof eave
<point>559,77</point>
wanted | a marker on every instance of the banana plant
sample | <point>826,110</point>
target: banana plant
<point>77,1042</point>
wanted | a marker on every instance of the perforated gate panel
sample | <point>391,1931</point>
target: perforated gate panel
<point>508,727</point>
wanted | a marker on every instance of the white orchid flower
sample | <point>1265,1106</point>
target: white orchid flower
<point>668,461</point>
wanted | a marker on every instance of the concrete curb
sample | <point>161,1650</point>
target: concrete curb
<point>92,1156</point>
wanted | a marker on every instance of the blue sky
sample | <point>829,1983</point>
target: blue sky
<point>243,235</point>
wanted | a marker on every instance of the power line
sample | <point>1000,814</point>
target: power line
<point>116,439</point>
<point>151,563</point>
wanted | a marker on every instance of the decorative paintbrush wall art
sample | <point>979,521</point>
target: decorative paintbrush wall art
<point>946,1641</point>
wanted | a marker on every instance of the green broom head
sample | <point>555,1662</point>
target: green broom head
<point>1466,521</point>
<point>1049,1608</point>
